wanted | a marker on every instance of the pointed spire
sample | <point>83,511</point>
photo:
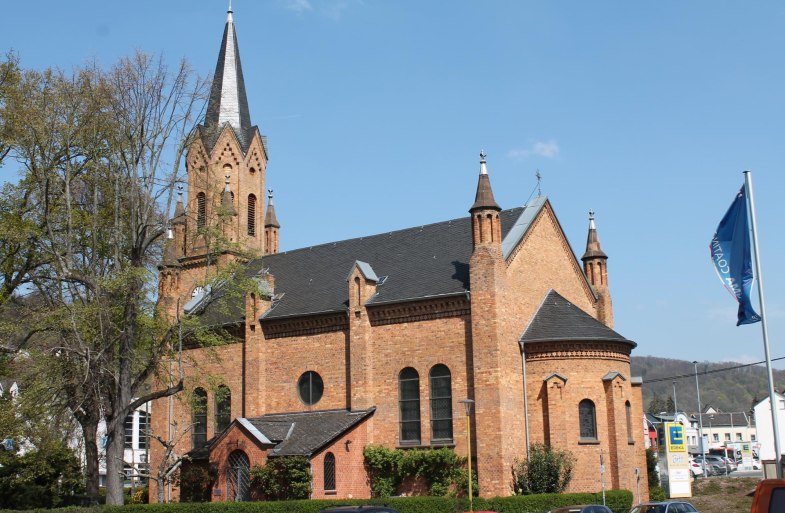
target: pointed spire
<point>228,102</point>
<point>593,248</point>
<point>484,197</point>
<point>269,218</point>
<point>179,209</point>
<point>227,200</point>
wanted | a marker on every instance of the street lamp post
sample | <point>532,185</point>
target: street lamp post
<point>700,421</point>
<point>467,404</point>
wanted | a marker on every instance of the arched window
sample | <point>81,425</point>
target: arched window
<point>587,419</point>
<point>409,400</point>
<point>628,412</point>
<point>238,477</point>
<point>329,471</point>
<point>441,403</point>
<point>199,417</point>
<point>251,215</point>
<point>201,210</point>
<point>223,408</point>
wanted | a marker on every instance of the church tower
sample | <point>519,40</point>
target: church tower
<point>226,164</point>
<point>595,265</point>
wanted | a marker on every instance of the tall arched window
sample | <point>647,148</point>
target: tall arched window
<point>628,412</point>
<point>223,408</point>
<point>199,417</point>
<point>251,215</point>
<point>588,420</point>
<point>441,403</point>
<point>409,401</point>
<point>238,477</point>
<point>329,471</point>
<point>201,210</point>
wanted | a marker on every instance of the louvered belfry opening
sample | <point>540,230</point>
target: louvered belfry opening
<point>201,210</point>
<point>251,215</point>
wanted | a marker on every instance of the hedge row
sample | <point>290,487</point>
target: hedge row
<point>620,501</point>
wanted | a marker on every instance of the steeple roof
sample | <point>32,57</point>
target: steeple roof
<point>484,197</point>
<point>593,248</point>
<point>269,218</point>
<point>228,102</point>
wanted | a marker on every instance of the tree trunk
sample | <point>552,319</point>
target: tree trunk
<point>89,432</point>
<point>114,462</point>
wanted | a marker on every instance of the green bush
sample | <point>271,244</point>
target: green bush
<point>619,501</point>
<point>546,470</point>
<point>283,478</point>
<point>442,470</point>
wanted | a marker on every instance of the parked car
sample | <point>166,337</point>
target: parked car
<point>585,508</point>
<point>695,468</point>
<point>359,509</point>
<point>719,466</point>
<point>664,507</point>
<point>732,465</point>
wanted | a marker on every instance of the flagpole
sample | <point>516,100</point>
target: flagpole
<point>772,395</point>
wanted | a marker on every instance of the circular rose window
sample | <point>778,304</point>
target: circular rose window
<point>310,386</point>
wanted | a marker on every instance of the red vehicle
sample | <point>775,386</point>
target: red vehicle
<point>769,496</point>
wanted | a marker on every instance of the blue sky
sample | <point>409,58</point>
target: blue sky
<point>375,113</point>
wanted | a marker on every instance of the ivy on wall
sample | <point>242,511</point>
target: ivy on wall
<point>442,471</point>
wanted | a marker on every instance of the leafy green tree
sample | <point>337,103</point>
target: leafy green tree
<point>99,153</point>
<point>282,478</point>
<point>546,470</point>
<point>45,477</point>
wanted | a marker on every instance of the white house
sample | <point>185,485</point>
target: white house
<point>765,426</point>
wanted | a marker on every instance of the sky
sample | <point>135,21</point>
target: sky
<point>375,112</point>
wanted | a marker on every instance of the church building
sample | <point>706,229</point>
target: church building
<point>386,339</point>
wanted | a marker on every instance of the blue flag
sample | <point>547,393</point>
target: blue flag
<point>730,252</point>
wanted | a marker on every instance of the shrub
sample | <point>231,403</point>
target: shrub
<point>282,478</point>
<point>442,470</point>
<point>195,483</point>
<point>546,470</point>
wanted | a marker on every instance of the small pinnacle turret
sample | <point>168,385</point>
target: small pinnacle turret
<point>227,199</point>
<point>269,218</point>
<point>484,197</point>
<point>486,227</point>
<point>271,227</point>
<point>595,266</point>
<point>593,249</point>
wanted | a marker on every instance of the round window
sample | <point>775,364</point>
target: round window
<point>310,386</point>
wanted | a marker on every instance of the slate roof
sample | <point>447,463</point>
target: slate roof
<point>228,102</point>
<point>418,263</point>
<point>305,433</point>
<point>559,320</point>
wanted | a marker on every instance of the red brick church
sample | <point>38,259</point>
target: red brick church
<point>377,340</point>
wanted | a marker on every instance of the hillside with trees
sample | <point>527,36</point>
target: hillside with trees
<point>726,386</point>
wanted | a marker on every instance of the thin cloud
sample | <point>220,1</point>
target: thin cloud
<point>332,9</point>
<point>548,149</point>
<point>298,6</point>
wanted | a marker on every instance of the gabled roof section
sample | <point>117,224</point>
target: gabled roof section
<point>613,375</point>
<point>421,263</point>
<point>305,433</point>
<point>558,320</point>
<point>556,375</point>
<point>515,233</point>
<point>366,270</point>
